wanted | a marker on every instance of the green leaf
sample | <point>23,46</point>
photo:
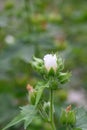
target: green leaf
<point>81,118</point>
<point>39,94</point>
<point>40,88</point>
<point>28,112</point>
<point>15,121</point>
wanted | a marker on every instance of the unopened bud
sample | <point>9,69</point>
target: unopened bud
<point>63,117</point>
<point>50,62</point>
<point>71,117</point>
<point>68,116</point>
<point>68,108</point>
<point>32,94</point>
<point>30,88</point>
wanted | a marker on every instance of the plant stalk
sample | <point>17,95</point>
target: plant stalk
<point>52,111</point>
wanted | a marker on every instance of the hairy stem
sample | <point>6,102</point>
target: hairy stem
<point>51,110</point>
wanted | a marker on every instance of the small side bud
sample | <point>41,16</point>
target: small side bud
<point>68,108</point>
<point>32,94</point>
<point>71,117</point>
<point>63,117</point>
<point>30,88</point>
<point>68,116</point>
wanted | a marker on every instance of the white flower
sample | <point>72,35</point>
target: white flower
<point>9,39</point>
<point>50,61</point>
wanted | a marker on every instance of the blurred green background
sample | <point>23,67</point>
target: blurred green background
<point>38,27</point>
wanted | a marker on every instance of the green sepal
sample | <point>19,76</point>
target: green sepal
<point>71,117</point>
<point>60,63</point>
<point>63,117</point>
<point>64,77</point>
<point>53,83</point>
<point>68,118</point>
<point>32,97</point>
<point>38,64</point>
<point>51,72</point>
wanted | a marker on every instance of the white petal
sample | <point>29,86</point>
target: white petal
<point>50,61</point>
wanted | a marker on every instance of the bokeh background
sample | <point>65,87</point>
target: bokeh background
<point>38,27</point>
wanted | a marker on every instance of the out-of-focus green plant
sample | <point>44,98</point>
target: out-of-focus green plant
<point>35,28</point>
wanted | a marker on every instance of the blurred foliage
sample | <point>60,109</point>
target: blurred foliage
<point>28,28</point>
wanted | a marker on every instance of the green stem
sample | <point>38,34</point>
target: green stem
<point>51,110</point>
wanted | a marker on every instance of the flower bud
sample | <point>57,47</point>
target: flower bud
<point>50,62</point>
<point>63,117</point>
<point>68,108</point>
<point>68,116</point>
<point>32,94</point>
<point>71,117</point>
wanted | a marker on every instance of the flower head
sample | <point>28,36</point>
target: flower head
<point>50,61</point>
